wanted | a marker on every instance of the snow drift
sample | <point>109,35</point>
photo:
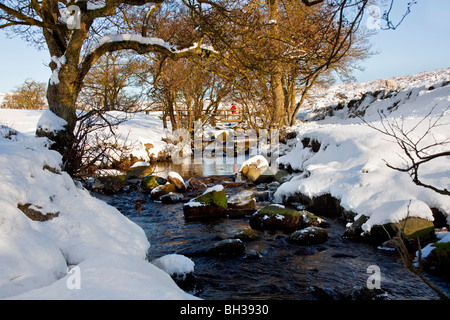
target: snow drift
<point>68,227</point>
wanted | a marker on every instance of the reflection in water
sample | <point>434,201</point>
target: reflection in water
<point>208,167</point>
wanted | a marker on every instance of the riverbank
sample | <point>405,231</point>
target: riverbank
<point>56,236</point>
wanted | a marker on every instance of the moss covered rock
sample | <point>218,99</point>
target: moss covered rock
<point>211,204</point>
<point>150,182</point>
<point>276,217</point>
<point>162,190</point>
<point>248,235</point>
<point>109,181</point>
<point>228,248</point>
<point>139,172</point>
<point>309,235</point>
<point>411,227</point>
<point>438,261</point>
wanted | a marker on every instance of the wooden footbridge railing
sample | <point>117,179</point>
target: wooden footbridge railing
<point>218,116</point>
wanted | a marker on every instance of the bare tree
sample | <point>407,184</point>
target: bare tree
<point>97,143</point>
<point>111,84</point>
<point>419,144</point>
<point>29,95</point>
<point>77,33</point>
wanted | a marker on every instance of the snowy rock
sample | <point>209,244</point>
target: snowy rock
<point>195,184</point>
<point>211,204</point>
<point>50,122</point>
<point>254,167</point>
<point>161,190</point>
<point>172,197</point>
<point>391,84</point>
<point>436,257</point>
<point>175,264</point>
<point>280,218</point>
<point>177,181</point>
<point>410,227</point>
<point>243,200</point>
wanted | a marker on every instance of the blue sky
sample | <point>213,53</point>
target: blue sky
<point>420,43</point>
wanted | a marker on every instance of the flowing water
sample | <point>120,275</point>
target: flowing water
<point>282,271</point>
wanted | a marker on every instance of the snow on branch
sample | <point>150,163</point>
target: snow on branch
<point>141,45</point>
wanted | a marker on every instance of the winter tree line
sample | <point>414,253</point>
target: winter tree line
<point>186,57</point>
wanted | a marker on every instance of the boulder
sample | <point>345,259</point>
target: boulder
<point>438,260</point>
<point>277,217</point>
<point>139,170</point>
<point>248,235</point>
<point>411,227</point>
<point>211,204</point>
<point>254,167</point>
<point>228,248</point>
<point>172,197</point>
<point>177,181</point>
<point>109,181</point>
<point>195,184</point>
<point>150,182</point>
<point>162,190</point>
<point>309,235</point>
<point>253,255</point>
<point>266,176</point>
<point>391,84</point>
<point>241,204</point>
<point>244,199</point>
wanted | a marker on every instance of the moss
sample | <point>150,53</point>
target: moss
<point>150,182</point>
<point>275,217</point>
<point>139,172</point>
<point>442,249</point>
<point>213,198</point>
<point>248,235</point>
<point>272,210</point>
<point>112,183</point>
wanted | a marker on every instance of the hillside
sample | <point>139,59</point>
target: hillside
<point>339,152</point>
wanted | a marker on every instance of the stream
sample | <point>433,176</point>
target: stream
<point>336,269</point>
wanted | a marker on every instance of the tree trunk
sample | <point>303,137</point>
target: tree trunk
<point>276,77</point>
<point>61,96</point>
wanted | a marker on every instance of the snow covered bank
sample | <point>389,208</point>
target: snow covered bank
<point>48,224</point>
<point>348,157</point>
<point>141,133</point>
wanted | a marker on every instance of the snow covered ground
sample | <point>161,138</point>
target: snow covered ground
<point>350,163</point>
<point>73,246</point>
<point>137,131</point>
